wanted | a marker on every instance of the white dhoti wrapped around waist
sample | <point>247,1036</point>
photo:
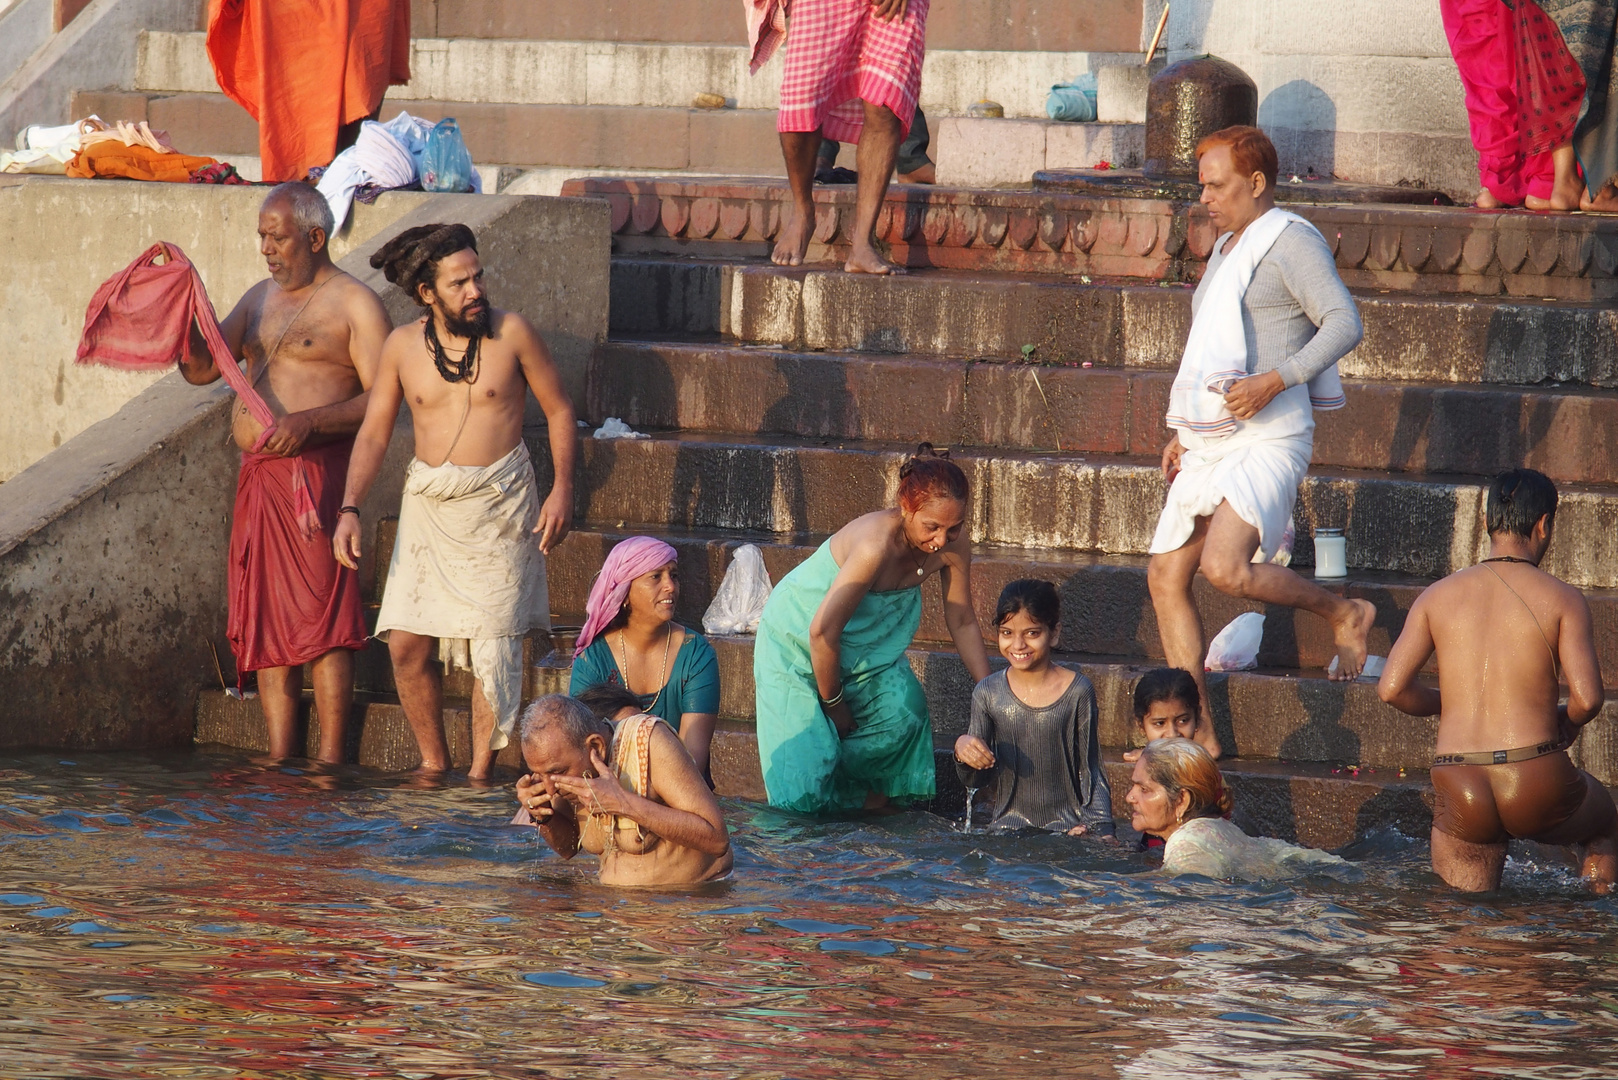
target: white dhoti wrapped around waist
<point>467,570</point>
<point>1257,470</point>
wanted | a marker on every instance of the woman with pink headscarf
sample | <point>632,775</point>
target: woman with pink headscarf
<point>630,639</point>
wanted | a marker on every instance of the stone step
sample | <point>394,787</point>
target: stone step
<point>1014,25</point>
<point>1106,609</point>
<point>1317,804</point>
<point>1106,322</point>
<point>991,152</point>
<point>1398,427</point>
<point>732,141</point>
<point>1416,524</point>
<point>1446,250</point>
<point>631,74</point>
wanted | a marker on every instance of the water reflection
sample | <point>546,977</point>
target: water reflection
<point>190,915</point>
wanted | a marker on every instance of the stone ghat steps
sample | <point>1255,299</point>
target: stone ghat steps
<point>1396,427</point>
<point>605,137</point>
<point>1441,250</point>
<point>1010,25</point>
<point>1414,523</point>
<point>1106,608</point>
<point>645,74</point>
<point>1112,322</point>
<point>1319,805</point>
<point>1287,709</point>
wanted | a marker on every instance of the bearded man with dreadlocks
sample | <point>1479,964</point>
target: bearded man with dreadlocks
<point>467,581</point>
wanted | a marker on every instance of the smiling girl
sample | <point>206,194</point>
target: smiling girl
<point>1034,725</point>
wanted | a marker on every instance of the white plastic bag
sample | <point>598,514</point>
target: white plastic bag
<point>1283,552</point>
<point>1236,647</point>
<point>615,428</point>
<point>740,600</point>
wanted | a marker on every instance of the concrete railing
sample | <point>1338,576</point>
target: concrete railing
<point>96,50</point>
<point>112,548</point>
<point>68,236</point>
<point>25,27</point>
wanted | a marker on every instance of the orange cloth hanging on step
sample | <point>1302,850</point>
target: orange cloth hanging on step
<point>304,68</point>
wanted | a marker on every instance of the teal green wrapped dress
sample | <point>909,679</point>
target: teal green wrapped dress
<point>807,767</point>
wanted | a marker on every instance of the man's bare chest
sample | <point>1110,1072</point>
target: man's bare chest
<point>495,380</point>
<point>282,333</point>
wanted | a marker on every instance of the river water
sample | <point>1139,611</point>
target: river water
<point>196,915</point>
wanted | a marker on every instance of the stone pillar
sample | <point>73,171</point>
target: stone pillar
<point>1189,100</point>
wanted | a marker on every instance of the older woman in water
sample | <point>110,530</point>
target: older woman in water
<point>842,721</point>
<point>1176,793</point>
<point>630,639</point>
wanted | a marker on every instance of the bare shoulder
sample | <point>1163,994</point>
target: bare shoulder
<point>356,295</point>
<point>1566,596</point>
<point>873,531</point>
<point>252,301</point>
<point>404,335</point>
<point>516,331</point>
<point>673,769</point>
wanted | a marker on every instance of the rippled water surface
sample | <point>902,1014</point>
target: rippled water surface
<point>196,915</point>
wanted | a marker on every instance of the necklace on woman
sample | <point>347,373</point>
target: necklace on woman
<point>921,563</point>
<point>662,675</point>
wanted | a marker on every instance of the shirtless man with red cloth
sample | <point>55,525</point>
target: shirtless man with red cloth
<point>312,337</point>
<point>1506,633</point>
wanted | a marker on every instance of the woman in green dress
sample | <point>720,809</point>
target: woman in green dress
<point>630,639</point>
<point>842,721</point>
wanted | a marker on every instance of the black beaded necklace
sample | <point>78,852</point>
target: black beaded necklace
<point>1511,558</point>
<point>452,371</point>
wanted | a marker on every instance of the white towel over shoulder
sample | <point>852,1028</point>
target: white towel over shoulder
<point>1216,349</point>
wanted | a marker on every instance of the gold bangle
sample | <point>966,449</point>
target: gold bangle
<point>833,701</point>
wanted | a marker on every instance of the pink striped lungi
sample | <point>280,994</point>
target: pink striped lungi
<point>840,54</point>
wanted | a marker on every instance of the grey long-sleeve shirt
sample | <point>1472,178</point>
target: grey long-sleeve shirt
<point>1047,771</point>
<point>1298,314</point>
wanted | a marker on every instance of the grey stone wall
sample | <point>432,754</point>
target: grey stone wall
<point>112,548</point>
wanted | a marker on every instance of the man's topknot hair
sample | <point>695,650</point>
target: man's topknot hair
<point>411,259</point>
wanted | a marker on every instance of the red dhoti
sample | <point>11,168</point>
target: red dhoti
<point>291,601</point>
<point>1523,92</point>
<point>840,54</point>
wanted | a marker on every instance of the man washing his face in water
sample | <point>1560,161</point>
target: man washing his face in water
<point>627,791</point>
<point>1506,633</point>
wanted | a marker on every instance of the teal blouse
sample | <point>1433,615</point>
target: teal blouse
<point>692,687</point>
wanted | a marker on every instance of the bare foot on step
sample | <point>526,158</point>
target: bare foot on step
<point>1605,201</point>
<point>1487,201</point>
<point>1353,636</point>
<point>792,243</point>
<point>864,260</point>
<point>1567,196</point>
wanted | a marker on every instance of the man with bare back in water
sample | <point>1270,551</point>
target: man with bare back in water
<point>467,579</point>
<point>1506,633</point>
<point>312,337</point>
